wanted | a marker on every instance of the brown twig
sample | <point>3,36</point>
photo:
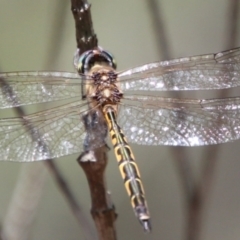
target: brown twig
<point>102,211</point>
<point>85,36</point>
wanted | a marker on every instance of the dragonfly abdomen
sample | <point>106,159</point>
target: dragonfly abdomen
<point>128,169</point>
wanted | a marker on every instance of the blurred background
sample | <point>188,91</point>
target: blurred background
<point>126,28</point>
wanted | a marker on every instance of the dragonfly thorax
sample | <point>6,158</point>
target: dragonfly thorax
<point>104,88</point>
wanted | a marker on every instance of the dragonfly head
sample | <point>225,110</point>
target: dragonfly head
<point>88,59</point>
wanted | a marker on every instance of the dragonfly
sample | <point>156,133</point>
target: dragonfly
<point>124,103</point>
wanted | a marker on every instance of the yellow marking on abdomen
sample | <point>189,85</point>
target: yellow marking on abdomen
<point>127,166</point>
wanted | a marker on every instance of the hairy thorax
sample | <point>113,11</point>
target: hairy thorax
<point>103,87</point>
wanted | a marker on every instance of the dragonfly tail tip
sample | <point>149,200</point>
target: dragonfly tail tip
<point>146,225</point>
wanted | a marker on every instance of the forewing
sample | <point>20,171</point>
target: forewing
<point>23,88</point>
<point>211,71</point>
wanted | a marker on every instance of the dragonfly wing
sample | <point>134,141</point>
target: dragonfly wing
<point>211,71</point>
<point>165,121</point>
<point>48,134</point>
<point>23,88</point>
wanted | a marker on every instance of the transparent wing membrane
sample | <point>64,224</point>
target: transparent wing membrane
<point>38,87</point>
<point>211,71</point>
<point>148,120</point>
<point>165,121</point>
<point>48,134</point>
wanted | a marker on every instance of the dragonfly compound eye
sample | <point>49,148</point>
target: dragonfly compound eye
<point>89,58</point>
